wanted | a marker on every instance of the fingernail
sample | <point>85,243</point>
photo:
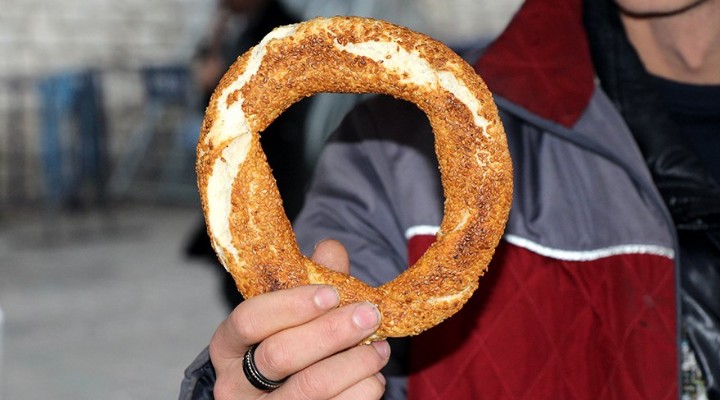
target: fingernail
<point>318,243</point>
<point>383,348</point>
<point>381,378</point>
<point>326,297</point>
<point>366,316</point>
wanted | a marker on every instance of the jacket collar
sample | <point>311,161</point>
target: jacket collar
<point>543,50</point>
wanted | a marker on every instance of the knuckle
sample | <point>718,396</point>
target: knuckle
<point>243,324</point>
<point>273,359</point>
<point>309,386</point>
<point>331,330</point>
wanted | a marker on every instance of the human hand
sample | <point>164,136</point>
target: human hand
<point>302,335</point>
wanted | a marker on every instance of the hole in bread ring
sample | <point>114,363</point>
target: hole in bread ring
<point>244,214</point>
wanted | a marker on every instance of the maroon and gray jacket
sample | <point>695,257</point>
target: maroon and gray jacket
<point>580,299</point>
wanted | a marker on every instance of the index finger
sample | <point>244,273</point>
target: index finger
<point>264,315</point>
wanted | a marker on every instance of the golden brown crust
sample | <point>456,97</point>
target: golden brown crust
<point>320,56</point>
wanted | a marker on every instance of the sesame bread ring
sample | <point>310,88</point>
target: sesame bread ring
<point>246,222</point>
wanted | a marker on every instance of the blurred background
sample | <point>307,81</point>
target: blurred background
<point>107,286</point>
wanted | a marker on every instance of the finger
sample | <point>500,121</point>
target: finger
<point>345,374</point>
<point>249,322</point>
<point>293,350</point>
<point>332,254</point>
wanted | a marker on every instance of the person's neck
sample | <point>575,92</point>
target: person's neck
<point>684,46</point>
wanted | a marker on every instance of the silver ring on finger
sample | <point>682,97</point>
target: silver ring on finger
<point>253,375</point>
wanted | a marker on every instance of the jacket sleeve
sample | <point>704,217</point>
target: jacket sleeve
<point>199,379</point>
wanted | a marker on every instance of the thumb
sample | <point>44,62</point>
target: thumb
<point>332,254</point>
